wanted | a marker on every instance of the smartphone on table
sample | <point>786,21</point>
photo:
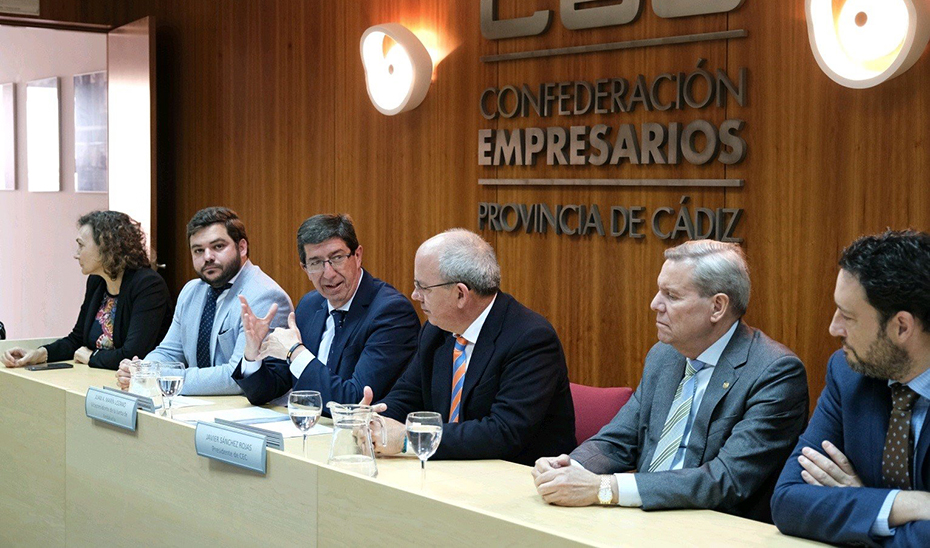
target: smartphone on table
<point>49,366</point>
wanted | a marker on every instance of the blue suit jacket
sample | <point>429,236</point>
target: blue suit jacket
<point>228,337</point>
<point>373,348</point>
<point>516,404</point>
<point>852,413</point>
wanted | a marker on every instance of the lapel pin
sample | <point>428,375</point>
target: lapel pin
<point>726,385</point>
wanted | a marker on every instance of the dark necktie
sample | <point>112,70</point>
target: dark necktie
<point>339,319</point>
<point>206,325</point>
<point>896,459</point>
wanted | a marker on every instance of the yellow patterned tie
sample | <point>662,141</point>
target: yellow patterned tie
<point>677,419</point>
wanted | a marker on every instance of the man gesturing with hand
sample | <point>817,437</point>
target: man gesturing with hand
<point>352,331</point>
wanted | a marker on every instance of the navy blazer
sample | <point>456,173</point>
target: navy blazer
<point>852,413</point>
<point>376,343</point>
<point>143,315</point>
<point>516,404</point>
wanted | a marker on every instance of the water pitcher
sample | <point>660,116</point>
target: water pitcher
<point>144,380</point>
<point>352,449</point>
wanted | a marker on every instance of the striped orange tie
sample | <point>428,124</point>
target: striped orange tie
<point>459,363</point>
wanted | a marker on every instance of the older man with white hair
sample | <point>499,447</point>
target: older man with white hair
<point>718,410</point>
<point>492,368</point>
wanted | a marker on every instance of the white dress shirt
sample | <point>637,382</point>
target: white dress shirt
<point>471,335</point>
<point>226,294</point>
<point>303,359</point>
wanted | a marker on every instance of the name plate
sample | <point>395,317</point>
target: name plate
<point>112,408</point>
<point>231,445</point>
<point>274,440</point>
<point>142,402</point>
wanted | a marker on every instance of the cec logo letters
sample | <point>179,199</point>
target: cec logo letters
<point>576,16</point>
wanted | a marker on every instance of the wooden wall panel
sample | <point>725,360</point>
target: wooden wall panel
<point>597,290</point>
<point>405,178</point>
<point>276,123</point>
<point>262,106</point>
<point>827,164</point>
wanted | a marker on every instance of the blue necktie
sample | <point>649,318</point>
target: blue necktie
<point>339,319</point>
<point>206,325</point>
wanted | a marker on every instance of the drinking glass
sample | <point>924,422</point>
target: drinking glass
<point>304,408</point>
<point>170,382</point>
<point>424,431</point>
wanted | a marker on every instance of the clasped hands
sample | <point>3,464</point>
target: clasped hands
<point>560,483</point>
<point>21,357</point>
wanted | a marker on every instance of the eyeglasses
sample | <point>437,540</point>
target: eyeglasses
<point>317,265</point>
<point>422,288</point>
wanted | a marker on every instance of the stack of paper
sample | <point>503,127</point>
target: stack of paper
<point>259,417</point>
<point>186,401</point>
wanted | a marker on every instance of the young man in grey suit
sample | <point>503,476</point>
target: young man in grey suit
<point>718,410</point>
<point>206,332</point>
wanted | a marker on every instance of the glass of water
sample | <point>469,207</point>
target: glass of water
<point>304,408</point>
<point>424,431</point>
<point>170,382</point>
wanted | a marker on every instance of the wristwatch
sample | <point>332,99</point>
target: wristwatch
<point>291,351</point>
<point>605,495</point>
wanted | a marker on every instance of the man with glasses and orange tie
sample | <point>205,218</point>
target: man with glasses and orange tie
<point>492,368</point>
<point>352,331</point>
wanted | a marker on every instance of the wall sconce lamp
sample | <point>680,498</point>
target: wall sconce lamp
<point>869,41</point>
<point>398,68</point>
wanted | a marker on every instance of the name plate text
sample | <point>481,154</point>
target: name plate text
<point>231,445</point>
<point>143,403</point>
<point>110,407</point>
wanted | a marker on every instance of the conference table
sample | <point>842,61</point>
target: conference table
<point>68,480</point>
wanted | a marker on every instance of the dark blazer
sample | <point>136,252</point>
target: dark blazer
<point>753,410</point>
<point>516,404</point>
<point>852,413</point>
<point>376,343</point>
<point>143,315</point>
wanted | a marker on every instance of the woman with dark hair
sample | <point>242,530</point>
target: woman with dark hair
<point>127,308</point>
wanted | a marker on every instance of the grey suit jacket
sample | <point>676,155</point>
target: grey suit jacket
<point>227,339</point>
<point>752,413</point>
